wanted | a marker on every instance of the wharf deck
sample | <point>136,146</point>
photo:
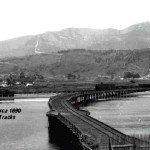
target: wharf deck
<point>94,133</point>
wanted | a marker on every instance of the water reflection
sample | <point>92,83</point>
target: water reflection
<point>130,115</point>
<point>29,131</point>
<point>30,128</point>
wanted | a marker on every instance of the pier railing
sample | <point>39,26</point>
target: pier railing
<point>116,142</point>
<point>76,131</point>
<point>130,142</point>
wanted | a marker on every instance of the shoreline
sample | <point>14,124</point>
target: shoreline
<point>28,96</point>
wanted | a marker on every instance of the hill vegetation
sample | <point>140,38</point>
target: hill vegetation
<point>80,64</point>
<point>79,54</point>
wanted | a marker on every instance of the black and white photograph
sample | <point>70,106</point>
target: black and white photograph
<point>74,75</point>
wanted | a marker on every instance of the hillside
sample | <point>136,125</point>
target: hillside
<point>81,63</point>
<point>134,37</point>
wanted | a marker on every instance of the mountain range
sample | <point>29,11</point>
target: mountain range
<point>134,37</point>
<point>84,64</point>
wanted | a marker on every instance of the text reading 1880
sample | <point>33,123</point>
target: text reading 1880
<point>15,110</point>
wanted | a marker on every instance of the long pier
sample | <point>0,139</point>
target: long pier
<point>90,133</point>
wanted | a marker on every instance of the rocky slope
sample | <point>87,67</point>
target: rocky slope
<point>134,37</point>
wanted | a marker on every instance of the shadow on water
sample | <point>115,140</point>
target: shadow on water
<point>62,137</point>
<point>90,102</point>
<point>53,141</point>
<point>64,140</point>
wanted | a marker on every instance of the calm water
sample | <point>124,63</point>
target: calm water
<point>129,115</point>
<point>29,131</point>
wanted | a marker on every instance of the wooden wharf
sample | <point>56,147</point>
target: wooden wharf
<point>91,133</point>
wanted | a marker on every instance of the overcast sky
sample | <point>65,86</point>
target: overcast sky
<point>27,17</point>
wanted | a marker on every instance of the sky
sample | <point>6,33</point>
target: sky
<point>29,17</point>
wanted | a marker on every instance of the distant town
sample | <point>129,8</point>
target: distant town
<point>23,82</point>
